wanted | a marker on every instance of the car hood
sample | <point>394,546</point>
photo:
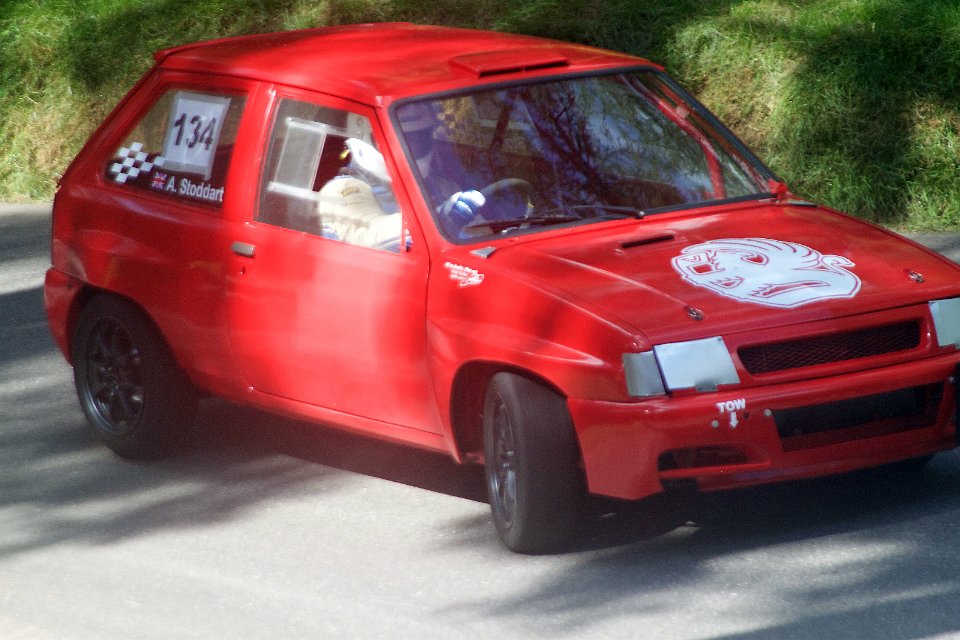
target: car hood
<point>677,277</point>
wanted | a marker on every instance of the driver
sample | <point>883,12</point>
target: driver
<point>459,208</point>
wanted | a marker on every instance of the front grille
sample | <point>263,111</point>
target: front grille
<point>834,347</point>
<point>857,418</point>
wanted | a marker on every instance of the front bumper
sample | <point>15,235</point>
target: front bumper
<point>769,433</point>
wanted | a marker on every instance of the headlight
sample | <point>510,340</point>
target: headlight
<point>696,364</point>
<point>946,321</point>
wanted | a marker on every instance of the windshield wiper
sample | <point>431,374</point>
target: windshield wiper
<point>607,209</point>
<point>560,215</point>
<point>535,220</point>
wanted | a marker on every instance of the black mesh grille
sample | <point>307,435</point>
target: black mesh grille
<point>835,347</point>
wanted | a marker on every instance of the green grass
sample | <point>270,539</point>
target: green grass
<point>855,103</point>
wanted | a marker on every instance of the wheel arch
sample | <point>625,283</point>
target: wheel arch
<point>84,297</point>
<point>131,389</point>
<point>467,395</point>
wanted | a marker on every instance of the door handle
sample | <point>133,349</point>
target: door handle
<point>244,249</point>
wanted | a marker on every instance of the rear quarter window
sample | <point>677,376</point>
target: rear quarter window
<point>181,148</point>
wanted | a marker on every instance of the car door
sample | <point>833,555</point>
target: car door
<point>328,309</point>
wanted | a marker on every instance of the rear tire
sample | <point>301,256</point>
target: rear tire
<point>130,388</point>
<point>532,465</point>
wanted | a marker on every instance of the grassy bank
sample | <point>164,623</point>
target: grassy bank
<point>856,103</point>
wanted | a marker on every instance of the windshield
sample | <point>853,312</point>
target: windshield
<point>518,158</point>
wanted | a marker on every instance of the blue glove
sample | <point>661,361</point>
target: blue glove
<point>462,207</point>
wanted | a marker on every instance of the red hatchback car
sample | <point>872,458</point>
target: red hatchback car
<point>540,256</point>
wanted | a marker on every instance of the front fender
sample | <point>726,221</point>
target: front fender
<point>504,323</point>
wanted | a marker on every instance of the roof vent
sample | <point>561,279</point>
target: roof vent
<point>493,63</point>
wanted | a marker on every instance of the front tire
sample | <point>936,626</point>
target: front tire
<point>532,465</point>
<point>130,388</point>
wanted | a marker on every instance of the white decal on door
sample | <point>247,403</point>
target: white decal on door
<point>464,276</point>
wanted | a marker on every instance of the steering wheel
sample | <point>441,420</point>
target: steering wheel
<point>508,196</point>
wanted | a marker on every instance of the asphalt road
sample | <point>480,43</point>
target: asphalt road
<point>273,529</point>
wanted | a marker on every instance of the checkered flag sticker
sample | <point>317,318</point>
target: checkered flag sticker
<point>133,161</point>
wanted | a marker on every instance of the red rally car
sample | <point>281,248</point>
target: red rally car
<point>544,257</point>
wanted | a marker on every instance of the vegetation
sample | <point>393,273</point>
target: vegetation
<point>855,103</point>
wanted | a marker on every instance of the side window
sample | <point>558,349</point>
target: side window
<point>181,148</point>
<point>324,175</point>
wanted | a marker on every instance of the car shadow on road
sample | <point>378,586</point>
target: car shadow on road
<point>870,554</point>
<point>787,511</point>
<point>225,426</point>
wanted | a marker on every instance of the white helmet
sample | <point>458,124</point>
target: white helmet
<point>367,159</point>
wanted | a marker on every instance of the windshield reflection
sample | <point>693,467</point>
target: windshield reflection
<point>532,156</point>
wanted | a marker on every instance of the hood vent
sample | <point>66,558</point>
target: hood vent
<point>639,242</point>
